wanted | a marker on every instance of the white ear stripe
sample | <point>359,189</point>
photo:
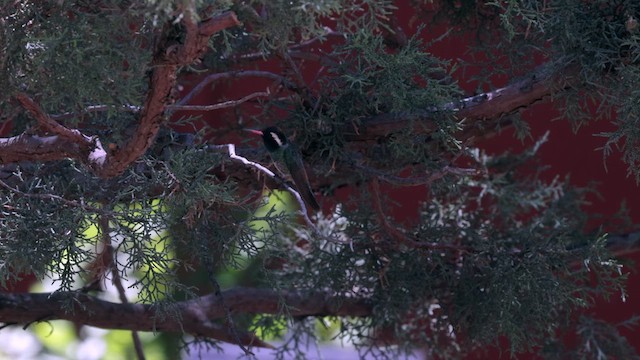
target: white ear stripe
<point>276,138</point>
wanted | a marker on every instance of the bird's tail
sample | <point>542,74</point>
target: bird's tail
<point>309,198</point>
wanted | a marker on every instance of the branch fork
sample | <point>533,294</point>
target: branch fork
<point>63,142</point>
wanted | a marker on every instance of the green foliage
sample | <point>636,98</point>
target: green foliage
<point>284,22</point>
<point>385,80</point>
<point>72,56</point>
<point>498,252</point>
<point>379,80</point>
<point>41,234</point>
<point>523,269</point>
<point>597,340</point>
<point>597,43</point>
<point>627,134</point>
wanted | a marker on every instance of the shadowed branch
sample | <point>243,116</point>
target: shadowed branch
<point>195,317</point>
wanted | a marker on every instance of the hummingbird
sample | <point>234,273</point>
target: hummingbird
<point>284,151</point>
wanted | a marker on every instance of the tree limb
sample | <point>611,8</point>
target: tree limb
<point>163,80</point>
<point>193,317</point>
<point>68,143</point>
<point>90,149</point>
<point>222,105</point>
<point>231,149</point>
<point>540,83</point>
<point>47,123</point>
<point>29,147</point>
<point>492,105</point>
<point>228,75</point>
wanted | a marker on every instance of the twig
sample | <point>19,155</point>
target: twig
<point>96,108</point>
<point>115,278</point>
<point>398,235</point>
<point>296,71</point>
<point>223,105</point>
<point>231,74</point>
<point>137,109</point>
<point>227,312</point>
<point>302,87</point>
<point>419,180</point>
<point>71,203</point>
<point>7,324</point>
<point>231,149</point>
<point>260,55</point>
<point>327,32</point>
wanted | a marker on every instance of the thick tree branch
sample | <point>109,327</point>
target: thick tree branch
<point>89,149</point>
<point>48,124</point>
<point>68,143</point>
<point>28,147</point>
<point>163,80</point>
<point>540,83</point>
<point>475,110</point>
<point>193,317</point>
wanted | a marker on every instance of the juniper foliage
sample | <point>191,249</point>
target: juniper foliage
<point>496,252</point>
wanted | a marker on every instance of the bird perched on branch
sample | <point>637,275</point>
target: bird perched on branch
<point>284,152</point>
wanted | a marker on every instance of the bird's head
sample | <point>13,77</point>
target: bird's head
<point>273,138</point>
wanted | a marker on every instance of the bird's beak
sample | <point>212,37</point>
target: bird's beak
<point>253,131</point>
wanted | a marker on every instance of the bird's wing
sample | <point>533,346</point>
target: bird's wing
<point>299,176</point>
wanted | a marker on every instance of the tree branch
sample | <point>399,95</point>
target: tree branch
<point>68,143</point>
<point>540,83</point>
<point>112,258</point>
<point>227,75</point>
<point>396,234</point>
<point>192,316</point>
<point>231,149</point>
<point>222,105</point>
<point>417,180</point>
<point>163,80</point>
<point>28,147</point>
<point>53,197</point>
<point>48,124</point>
<point>89,149</point>
<point>475,110</point>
